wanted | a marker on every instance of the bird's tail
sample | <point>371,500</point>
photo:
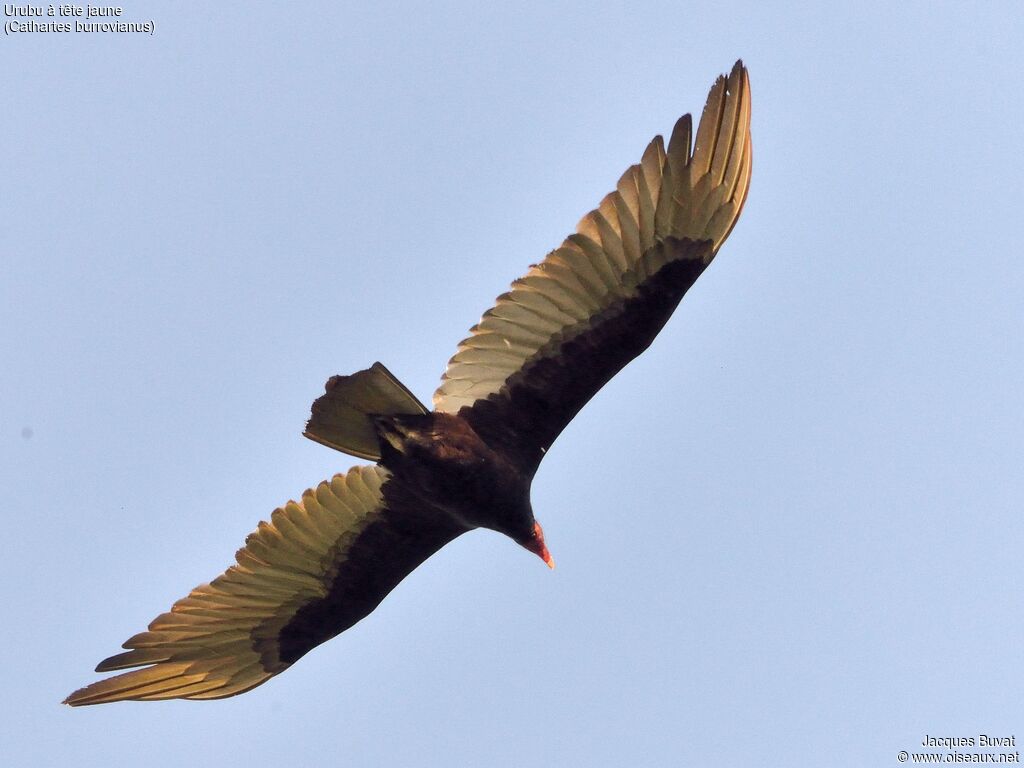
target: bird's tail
<point>342,418</point>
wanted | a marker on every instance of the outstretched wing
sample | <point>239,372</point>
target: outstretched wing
<point>574,320</point>
<point>313,571</point>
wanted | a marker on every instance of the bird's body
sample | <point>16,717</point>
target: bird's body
<point>446,464</point>
<point>534,360</point>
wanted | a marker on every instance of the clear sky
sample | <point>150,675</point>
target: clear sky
<point>790,534</point>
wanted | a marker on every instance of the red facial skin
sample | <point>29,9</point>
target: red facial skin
<point>538,547</point>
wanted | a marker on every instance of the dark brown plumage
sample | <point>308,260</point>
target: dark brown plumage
<point>534,360</point>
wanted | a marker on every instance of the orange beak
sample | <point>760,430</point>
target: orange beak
<point>538,547</point>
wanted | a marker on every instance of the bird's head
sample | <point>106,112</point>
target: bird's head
<point>534,542</point>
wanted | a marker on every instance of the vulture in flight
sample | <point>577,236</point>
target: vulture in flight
<point>532,362</point>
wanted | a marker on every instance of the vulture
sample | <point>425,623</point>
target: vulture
<point>533,361</point>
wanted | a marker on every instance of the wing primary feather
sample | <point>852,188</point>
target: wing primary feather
<point>707,131</point>
<point>728,128</point>
<point>679,145</point>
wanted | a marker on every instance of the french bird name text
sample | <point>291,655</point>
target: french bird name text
<point>89,11</point>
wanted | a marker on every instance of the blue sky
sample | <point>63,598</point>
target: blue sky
<point>789,534</point>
